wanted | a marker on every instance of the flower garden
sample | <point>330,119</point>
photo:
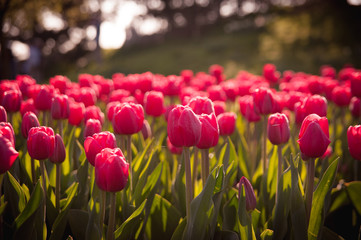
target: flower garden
<point>189,156</point>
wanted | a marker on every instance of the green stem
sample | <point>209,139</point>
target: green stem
<point>189,190</point>
<point>33,170</point>
<point>60,127</point>
<point>205,159</point>
<point>102,210</point>
<point>279,172</point>
<point>110,233</point>
<point>129,155</point>
<point>75,159</point>
<point>10,118</point>
<point>203,168</point>
<point>42,170</point>
<point>57,186</point>
<point>195,165</point>
<point>309,186</point>
<point>264,149</point>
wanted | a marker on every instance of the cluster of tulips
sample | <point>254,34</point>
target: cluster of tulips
<point>247,183</point>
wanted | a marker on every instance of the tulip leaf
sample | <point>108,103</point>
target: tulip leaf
<point>164,219</point>
<point>178,233</point>
<point>298,211</point>
<point>139,162</point>
<point>197,225</point>
<point>353,190</point>
<point>242,159</point>
<point>244,221</point>
<point>324,186</point>
<point>71,191</point>
<point>340,198</point>
<point>78,220</point>
<point>58,228</point>
<point>230,214</point>
<point>267,234</point>
<point>92,231</point>
<point>82,178</point>
<point>226,235</point>
<point>327,234</point>
<point>178,187</point>
<point>19,190</point>
<point>31,207</point>
<point>127,229</point>
<point>272,174</point>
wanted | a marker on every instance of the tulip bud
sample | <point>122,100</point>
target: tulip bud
<point>128,118</point>
<point>354,141</point>
<point>263,100</point>
<point>154,103</point>
<point>251,201</point>
<point>316,104</point>
<point>92,126</point>
<point>41,142</point>
<point>6,129</point>
<point>355,107</point>
<point>341,96</point>
<point>209,131</point>
<point>278,129</point>
<point>356,84</point>
<point>201,105</point>
<point>60,107</point>
<point>29,121</point>
<point>146,130</point>
<point>173,149</point>
<point>12,100</point>
<point>227,123</point>
<point>111,170</point>
<point>95,143</point>
<point>314,136</point>
<point>76,113</point>
<point>3,114</point>
<point>59,150</point>
<point>184,127</point>
<point>8,154</point>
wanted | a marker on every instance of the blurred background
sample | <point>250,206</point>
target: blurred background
<point>44,38</point>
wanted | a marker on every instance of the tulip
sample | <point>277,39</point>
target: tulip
<point>3,114</point>
<point>216,71</point>
<point>355,107</point>
<point>246,105</point>
<point>146,130</point>
<point>97,142</point>
<point>316,104</point>
<point>341,96</point>
<point>41,142</point>
<point>76,113</point>
<point>263,101</point>
<point>11,100</point>
<point>251,201</point>
<point>230,88</point>
<point>58,157</point>
<point>29,121</point>
<point>219,107</point>
<point>93,112</point>
<point>6,129</point>
<point>154,103</point>
<point>110,110</point>
<point>187,75</point>
<point>128,118</point>
<point>173,149</point>
<point>354,141</point>
<point>43,99</point>
<point>92,126</point>
<point>60,107</point>
<point>313,141</point>
<point>8,154</point>
<point>111,175</point>
<point>278,129</point>
<point>356,84</point>
<point>328,71</point>
<point>227,123</point>
<point>60,82</point>
<point>87,96</point>
<point>24,82</point>
<point>28,106</point>
<point>201,105</point>
<point>118,95</point>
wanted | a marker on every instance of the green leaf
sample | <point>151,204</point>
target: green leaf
<point>19,191</point>
<point>164,218</point>
<point>30,208</point>
<point>298,211</point>
<point>82,177</point>
<point>127,229</point>
<point>244,224</point>
<point>272,174</point>
<point>58,228</point>
<point>139,162</point>
<point>78,220</point>
<point>230,214</point>
<point>197,225</point>
<point>178,187</point>
<point>340,198</point>
<point>178,233</point>
<point>319,195</point>
<point>354,189</point>
<point>267,234</point>
<point>71,191</point>
<point>226,235</point>
<point>92,229</point>
<point>327,234</point>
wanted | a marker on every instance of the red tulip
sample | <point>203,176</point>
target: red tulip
<point>95,143</point>
<point>59,153</point>
<point>219,107</point>
<point>328,71</point>
<point>251,201</point>
<point>60,82</point>
<point>227,123</point>
<point>201,105</point>
<point>184,127</point>
<point>154,103</point>
<point>278,130</point>
<point>216,93</point>
<point>341,96</point>
<point>314,136</point>
<point>29,121</point>
<point>11,100</point>
<point>146,130</point>
<point>87,96</point>
<point>216,71</point>
<point>355,107</point>
<point>316,104</point>
<point>270,73</point>
<point>41,142</point>
<point>24,82</point>
<point>7,131</point>
<point>3,114</point>
<point>210,131</point>
<point>60,107</point>
<point>354,141</point>
<point>118,95</point>
<point>93,112</point>
<point>356,84</point>
<point>173,149</point>
<point>246,105</point>
<point>92,126</point>
<point>76,113</point>
<point>28,106</point>
<point>128,118</point>
<point>43,99</point>
<point>8,154</point>
<point>187,75</point>
<point>173,85</point>
<point>263,101</point>
<point>230,88</point>
<point>111,170</point>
